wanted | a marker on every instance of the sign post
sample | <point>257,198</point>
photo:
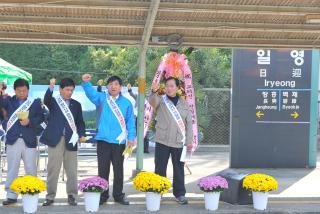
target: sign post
<point>274,108</point>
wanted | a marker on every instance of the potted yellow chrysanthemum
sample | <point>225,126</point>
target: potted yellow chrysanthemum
<point>154,186</point>
<point>260,185</point>
<point>30,187</point>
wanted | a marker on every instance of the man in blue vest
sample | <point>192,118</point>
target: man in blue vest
<point>21,134</point>
<point>65,127</point>
<point>116,128</point>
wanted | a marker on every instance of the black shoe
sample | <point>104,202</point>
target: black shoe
<point>146,151</point>
<point>72,201</point>
<point>102,201</point>
<point>182,200</point>
<point>47,202</point>
<point>122,201</point>
<point>9,201</point>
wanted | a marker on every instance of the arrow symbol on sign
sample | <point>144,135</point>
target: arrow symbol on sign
<point>295,115</point>
<point>259,114</point>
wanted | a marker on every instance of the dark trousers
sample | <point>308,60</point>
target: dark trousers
<point>145,140</point>
<point>162,154</point>
<point>146,144</point>
<point>111,153</point>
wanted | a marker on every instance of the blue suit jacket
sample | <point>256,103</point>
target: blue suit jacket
<point>57,122</point>
<point>29,132</point>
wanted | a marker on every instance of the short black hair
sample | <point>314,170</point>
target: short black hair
<point>175,80</point>
<point>114,78</point>
<point>65,82</point>
<point>20,83</point>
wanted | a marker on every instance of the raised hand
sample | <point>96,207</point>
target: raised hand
<point>155,87</point>
<point>52,82</point>
<point>129,87</point>
<point>86,77</point>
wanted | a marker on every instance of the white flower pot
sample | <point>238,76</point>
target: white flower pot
<point>153,201</point>
<point>260,200</point>
<point>211,200</point>
<point>30,203</point>
<point>91,201</point>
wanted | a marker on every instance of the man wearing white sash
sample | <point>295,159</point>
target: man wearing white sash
<point>65,128</point>
<point>21,133</point>
<point>173,134</point>
<point>115,129</point>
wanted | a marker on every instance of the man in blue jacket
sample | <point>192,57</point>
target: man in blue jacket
<point>21,134</point>
<point>65,128</point>
<point>116,128</point>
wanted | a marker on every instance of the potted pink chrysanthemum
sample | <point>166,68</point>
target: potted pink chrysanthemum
<point>212,186</point>
<point>92,188</point>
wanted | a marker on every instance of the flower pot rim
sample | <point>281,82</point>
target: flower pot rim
<point>30,194</point>
<point>213,190</point>
<point>91,192</point>
<point>153,192</point>
<point>261,191</point>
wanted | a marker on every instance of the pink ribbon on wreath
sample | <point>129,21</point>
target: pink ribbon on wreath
<point>188,88</point>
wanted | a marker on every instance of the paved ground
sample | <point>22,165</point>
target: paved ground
<point>299,189</point>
